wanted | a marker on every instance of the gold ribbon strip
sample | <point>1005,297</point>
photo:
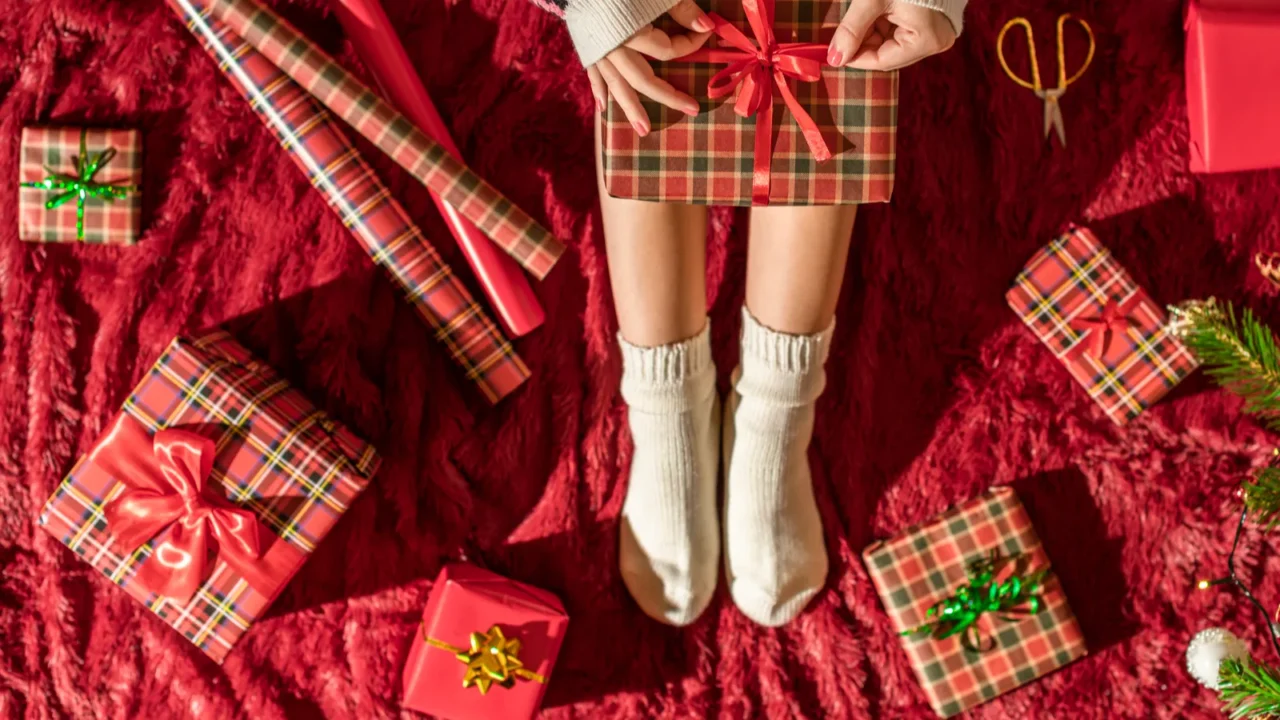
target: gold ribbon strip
<point>491,660</point>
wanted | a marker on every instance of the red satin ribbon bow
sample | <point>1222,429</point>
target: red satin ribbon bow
<point>1114,319</point>
<point>198,519</point>
<point>756,70</point>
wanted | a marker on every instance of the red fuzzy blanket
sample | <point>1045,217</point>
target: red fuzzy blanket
<point>936,390</point>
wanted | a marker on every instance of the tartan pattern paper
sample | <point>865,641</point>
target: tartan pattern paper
<point>365,205</point>
<point>277,455</point>
<point>927,563</point>
<point>708,159</point>
<point>1073,278</point>
<point>317,73</point>
<point>116,222</point>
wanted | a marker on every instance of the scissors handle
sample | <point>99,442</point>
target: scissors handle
<point>1063,80</point>
<point>1034,83</point>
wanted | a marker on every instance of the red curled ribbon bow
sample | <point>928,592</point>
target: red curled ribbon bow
<point>756,71</point>
<point>1098,331</point>
<point>167,491</point>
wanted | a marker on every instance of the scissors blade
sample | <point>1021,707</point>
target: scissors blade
<point>1053,114</point>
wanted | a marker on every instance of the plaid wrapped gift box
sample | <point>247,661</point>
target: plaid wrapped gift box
<point>709,158</point>
<point>1113,338</point>
<point>927,563</point>
<point>276,456</point>
<point>47,152</point>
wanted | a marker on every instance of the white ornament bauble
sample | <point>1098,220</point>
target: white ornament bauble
<point>1207,651</point>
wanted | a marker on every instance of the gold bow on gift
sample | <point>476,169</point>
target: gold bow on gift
<point>492,659</point>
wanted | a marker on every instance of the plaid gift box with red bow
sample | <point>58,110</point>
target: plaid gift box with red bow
<point>1101,324</point>
<point>209,490</point>
<point>929,563</point>
<point>821,135</point>
<point>57,163</point>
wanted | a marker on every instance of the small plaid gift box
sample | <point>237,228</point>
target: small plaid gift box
<point>79,185</point>
<point>928,564</point>
<point>810,135</point>
<point>1109,333</point>
<point>486,647</point>
<point>209,490</point>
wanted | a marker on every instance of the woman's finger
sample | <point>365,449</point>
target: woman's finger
<point>688,14</point>
<point>852,31</point>
<point>660,46</point>
<point>626,97</point>
<point>639,75</point>
<point>598,89</point>
<point>891,55</point>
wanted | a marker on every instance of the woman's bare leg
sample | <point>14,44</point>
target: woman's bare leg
<point>774,553</point>
<point>795,265</point>
<point>657,267</point>
<point>670,538</point>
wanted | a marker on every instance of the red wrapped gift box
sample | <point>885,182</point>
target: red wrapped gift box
<point>1233,70</point>
<point>485,649</point>
<point>1113,338</point>
<point>209,490</point>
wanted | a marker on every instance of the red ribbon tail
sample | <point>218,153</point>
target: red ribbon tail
<point>809,128</point>
<point>1099,341</point>
<point>176,567</point>
<point>761,172</point>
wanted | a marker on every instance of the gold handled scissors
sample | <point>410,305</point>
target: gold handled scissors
<point>1050,96</point>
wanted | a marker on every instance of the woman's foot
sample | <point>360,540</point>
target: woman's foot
<point>670,544</point>
<point>775,556</point>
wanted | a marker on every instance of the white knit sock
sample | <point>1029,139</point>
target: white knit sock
<point>775,557</point>
<point>670,545</point>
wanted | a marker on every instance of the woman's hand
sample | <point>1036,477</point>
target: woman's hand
<point>626,73</point>
<point>887,35</point>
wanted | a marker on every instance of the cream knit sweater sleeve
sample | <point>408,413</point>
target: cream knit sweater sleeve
<point>599,26</point>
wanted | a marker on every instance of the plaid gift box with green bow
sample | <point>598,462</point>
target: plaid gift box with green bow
<point>80,185</point>
<point>712,158</point>
<point>926,573</point>
<point>274,468</point>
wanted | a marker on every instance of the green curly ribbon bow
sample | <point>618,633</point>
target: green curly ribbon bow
<point>1011,600</point>
<point>81,185</point>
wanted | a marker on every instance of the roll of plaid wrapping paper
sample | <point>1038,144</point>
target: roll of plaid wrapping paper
<point>365,205</point>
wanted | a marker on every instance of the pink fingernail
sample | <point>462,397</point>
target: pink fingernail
<point>835,57</point>
<point>641,128</point>
<point>703,24</point>
<point>600,104</point>
<point>691,109</point>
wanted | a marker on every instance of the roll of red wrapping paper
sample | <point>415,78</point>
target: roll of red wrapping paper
<point>376,42</point>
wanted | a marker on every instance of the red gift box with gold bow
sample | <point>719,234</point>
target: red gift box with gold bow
<point>485,649</point>
<point>776,126</point>
<point>1114,339</point>
<point>209,489</point>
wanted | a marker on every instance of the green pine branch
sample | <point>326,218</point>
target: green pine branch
<point>1240,354</point>
<point>1249,689</point>
<point>1262,496</point>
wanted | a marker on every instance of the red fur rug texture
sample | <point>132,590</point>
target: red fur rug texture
<point>936,389</point>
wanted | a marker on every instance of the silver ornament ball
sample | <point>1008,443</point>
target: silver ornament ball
<point>1207,651</point>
